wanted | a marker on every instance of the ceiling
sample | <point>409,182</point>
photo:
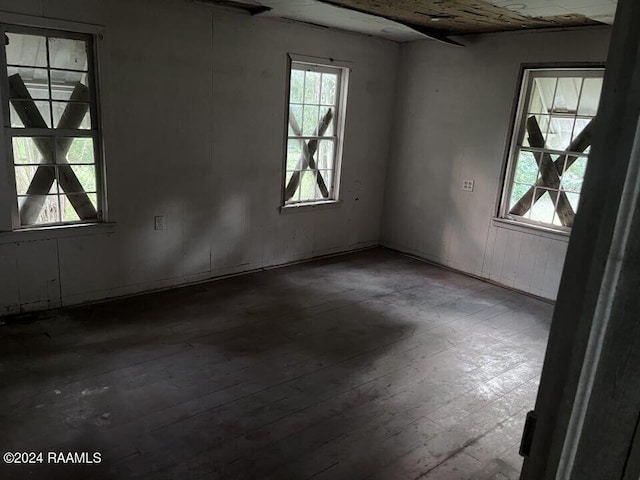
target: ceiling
<point>405,20</point>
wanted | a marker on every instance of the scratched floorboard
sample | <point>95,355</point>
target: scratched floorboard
<point>364,366</point>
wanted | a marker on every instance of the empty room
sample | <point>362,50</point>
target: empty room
<point>320,239</point>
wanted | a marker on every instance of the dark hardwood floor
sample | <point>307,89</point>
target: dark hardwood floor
<point>363,366</point>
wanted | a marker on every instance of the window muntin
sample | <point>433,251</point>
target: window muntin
<point>50,122</point>
<point>313,133</point>
<point>550,146</point>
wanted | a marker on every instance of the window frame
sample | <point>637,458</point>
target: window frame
<point>517,130</point>
<point>321,65</point>
<point>91,34</point>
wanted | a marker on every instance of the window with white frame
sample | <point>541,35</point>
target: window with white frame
<point>51,126</point>
<point>315,127</point>
<point>550,145</point>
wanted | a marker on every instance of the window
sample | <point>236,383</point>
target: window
<point>315,125</point>
<point>51,126</point>
<point>550,146</point>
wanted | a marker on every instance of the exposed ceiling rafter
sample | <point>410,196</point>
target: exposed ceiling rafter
<point>423,30</point>
<point>252,8</point>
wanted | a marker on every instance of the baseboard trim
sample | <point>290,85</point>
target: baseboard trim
<point>27,316</point>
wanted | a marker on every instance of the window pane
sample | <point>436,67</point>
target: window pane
<point>296,91</point>
<point>567,94</point>
<point>69,213</point>
<point>36,80</point>
<point>325,155</point>
<point>543,210</point>
<point>579,126</point>
<point>296,111</point>
<point>308,186</point>
<point>79,150</point>
<point>559,162</point>
<point>329,84</point>
<point>28,150</point>
<point>526,168</point>
<point>542,122</point>
<point>45,181</point>
<point>310,123</point>
<point>519,190</point>
<point>294,154</point>
<point>574,199</point>
<point>574,176</point>
<point>312,88</point>
<point>590,97</point>
<point>327,176</point>
<point>330,128</point>
<point>68,54</point>
<point>77,178</point>
<point>288,176</point>
<point>36,114</point>
<point>86,174</point>
<point>64,85</point>
<point>77,115</point>
<point>28,50</point>
<point>49,212</point>
<point>560,130</point>
<point>542,95</point>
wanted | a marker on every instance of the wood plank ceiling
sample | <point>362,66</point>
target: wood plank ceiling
<point>451,17</point>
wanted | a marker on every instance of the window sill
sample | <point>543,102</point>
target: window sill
<point>531,229</point>
<point>55,232</point>
<point>306,207</point>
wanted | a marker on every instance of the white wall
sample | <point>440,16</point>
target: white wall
<point>454,108</point>
<point>194,123</point>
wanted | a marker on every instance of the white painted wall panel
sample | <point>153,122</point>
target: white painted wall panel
<point>9,292</point>
<point>37,274</point>
<point>453,113</point>
<point>84,266</point>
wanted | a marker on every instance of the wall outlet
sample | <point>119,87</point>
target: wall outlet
<point>467,185</point>
<point>158,222</point>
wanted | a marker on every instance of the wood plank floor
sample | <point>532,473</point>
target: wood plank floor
<point>364,366</point>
